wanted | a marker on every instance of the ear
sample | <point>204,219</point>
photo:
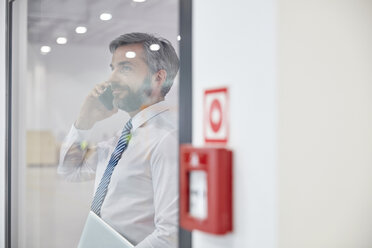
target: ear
<point>160,77</point>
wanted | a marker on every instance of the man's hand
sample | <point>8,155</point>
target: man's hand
<point>93,110</point>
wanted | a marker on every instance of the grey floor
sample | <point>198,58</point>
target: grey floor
<point>54,210</point>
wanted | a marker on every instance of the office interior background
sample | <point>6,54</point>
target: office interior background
<point>300,95</point>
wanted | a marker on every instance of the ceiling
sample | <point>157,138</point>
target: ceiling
<point>49,19</point>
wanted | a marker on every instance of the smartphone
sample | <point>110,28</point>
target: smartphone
<point>106,98</point>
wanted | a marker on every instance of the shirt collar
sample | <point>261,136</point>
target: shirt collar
<point>146,114</point>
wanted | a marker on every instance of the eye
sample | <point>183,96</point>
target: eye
<point>125,69</point>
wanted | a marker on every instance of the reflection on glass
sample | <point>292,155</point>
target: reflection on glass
<point>130,54</point>
<point>45,49</point>
<point>72,128</point>
<point>81,30</point>
<point>61,40</point>
<point>154,47</point>
<point>105,16</point>
<point>136,169</point>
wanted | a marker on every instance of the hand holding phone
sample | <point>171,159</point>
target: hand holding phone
<point>106,98</point>
<point>97,106</point>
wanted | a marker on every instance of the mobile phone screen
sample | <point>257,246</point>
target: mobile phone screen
<point>106,98</point>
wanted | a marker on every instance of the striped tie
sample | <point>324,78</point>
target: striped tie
<point>115,157</point>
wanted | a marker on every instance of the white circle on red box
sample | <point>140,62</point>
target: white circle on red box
<point>215,115</point>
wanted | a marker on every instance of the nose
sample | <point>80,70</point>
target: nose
<point>112,76</point>
<point>113,79</point>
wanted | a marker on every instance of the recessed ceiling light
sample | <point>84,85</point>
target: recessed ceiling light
<point>154,47</point>
<point>81,30</point>
<point>179,37</point>
<point>139,1</point>
<point>130,55</point>
<point>61,40</point>
<point>105,16</point>
<point>45,49</point>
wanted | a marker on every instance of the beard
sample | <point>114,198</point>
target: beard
<point>134,100</point>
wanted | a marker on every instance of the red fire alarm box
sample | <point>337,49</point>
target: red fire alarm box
<point>206,189</point>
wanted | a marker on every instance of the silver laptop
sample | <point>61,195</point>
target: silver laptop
<point>98,234</point>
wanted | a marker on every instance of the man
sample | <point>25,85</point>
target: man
<point>136,180</point>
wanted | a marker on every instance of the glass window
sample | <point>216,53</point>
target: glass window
<point>72,98</point>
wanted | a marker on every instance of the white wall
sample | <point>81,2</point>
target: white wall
<point>234,46</point>
<point>2,123</point>
<point>325,123</point>
<point>322,95</point>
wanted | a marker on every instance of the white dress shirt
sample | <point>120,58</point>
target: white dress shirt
<point>142,197</point>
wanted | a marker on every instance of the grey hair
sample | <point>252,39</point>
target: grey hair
<point>163,59</point>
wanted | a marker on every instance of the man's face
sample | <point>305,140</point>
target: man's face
<point>130,79</point>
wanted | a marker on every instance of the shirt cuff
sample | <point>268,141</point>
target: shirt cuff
<point>79,135</point>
